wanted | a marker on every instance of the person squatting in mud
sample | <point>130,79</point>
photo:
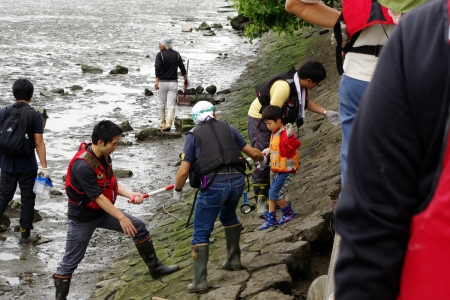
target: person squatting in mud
<point>92,189</point>
<point>213,161</point>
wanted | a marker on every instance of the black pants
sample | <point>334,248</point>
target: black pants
<point>8,185</point>
<point>259,136</point>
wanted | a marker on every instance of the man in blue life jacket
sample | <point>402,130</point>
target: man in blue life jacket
<point>22,169</point>
<point>279,90</point>
<point>213,161</point>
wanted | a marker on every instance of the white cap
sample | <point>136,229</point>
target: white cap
<point>166,42</point>
<point>202,111</point>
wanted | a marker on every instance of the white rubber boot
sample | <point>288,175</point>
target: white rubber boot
<point>169,121</point>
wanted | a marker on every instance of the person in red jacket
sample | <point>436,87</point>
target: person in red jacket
<point>284,163</point>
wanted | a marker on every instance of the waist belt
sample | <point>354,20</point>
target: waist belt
<point>227,169</point>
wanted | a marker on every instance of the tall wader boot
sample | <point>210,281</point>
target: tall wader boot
<point>261,191</point>
<point>62,285</point>
<point>200,254</point>
<point>24,236</point>
<point>232,236</point>
<point>155,266</point>
<point>162,117</point>
<point>169,121</point>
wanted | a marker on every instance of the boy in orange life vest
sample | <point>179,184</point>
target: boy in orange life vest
<point>284,163</point>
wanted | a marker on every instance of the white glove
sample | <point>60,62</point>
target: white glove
<point>333,117</point>
<point>261,164</point>
<point>344,34</point>
<point>177,195</point>
<point>44,172</point>
<point>289,130</point>
<point>266,152</point>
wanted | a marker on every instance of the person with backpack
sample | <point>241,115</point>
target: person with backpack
<point>92,189</point>
<point>213,161</point>
<point>284,163</point>
<point>288,90</point>
<point>167,62</point>
<point>21,131</point>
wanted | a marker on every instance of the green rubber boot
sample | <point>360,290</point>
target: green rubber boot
<point>200,254</point>
<point>232,236</point>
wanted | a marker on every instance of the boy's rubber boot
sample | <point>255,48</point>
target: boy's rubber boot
<point>271,220</point>
<point>155,266</point>
<point>169,120</point>
<point>288,214</point>
<point>200,255</point>
<point>261,195</point>
<point>162,117</point>
<point>62,285</point>
<point>232,236</point>
<point>24,236</point>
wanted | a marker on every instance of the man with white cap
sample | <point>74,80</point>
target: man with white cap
<point>213,161</point>
<point>167,63</point>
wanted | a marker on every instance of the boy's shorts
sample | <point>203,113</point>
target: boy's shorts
<point>279,184</point>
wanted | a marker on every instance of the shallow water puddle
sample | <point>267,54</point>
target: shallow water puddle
<point>8,256</point>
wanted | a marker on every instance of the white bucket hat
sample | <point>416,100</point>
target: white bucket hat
<point>202,111</point>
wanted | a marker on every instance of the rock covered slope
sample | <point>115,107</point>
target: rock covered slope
<point>275,260</point>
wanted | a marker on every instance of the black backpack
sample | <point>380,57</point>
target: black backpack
<point>15,136</point>
<point>292,106</point>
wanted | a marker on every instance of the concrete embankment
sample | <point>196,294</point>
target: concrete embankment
<point>279,262</point>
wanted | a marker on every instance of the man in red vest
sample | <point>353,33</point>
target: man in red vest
<point>92,189</point>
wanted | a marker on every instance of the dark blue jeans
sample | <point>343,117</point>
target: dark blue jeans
<point>350,93</point>
<point>8,185</point>
<point>79,234</point>
<point>220,199</point>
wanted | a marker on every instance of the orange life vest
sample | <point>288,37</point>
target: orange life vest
<point>277,162</point>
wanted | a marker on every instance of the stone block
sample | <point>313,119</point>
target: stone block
<point>276,277</point>
<point>274,237</point>
<point>224,293</point>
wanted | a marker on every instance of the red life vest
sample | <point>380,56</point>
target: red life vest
<point>105,180</point>
<point>359,14</point>
<point>426,264</point>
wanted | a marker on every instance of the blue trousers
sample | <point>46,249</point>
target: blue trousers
<point>220,199</point>
<point>350,93</point>
<point>79,234</point>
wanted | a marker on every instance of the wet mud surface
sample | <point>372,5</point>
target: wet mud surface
<point>47,41</point>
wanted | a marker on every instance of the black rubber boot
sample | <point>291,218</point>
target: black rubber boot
<point>62,285</point>
<point>232,236</point>
<point>155,267</point>
<point>200,254</point>
<point>24,236</point>
<point>261,195</point>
